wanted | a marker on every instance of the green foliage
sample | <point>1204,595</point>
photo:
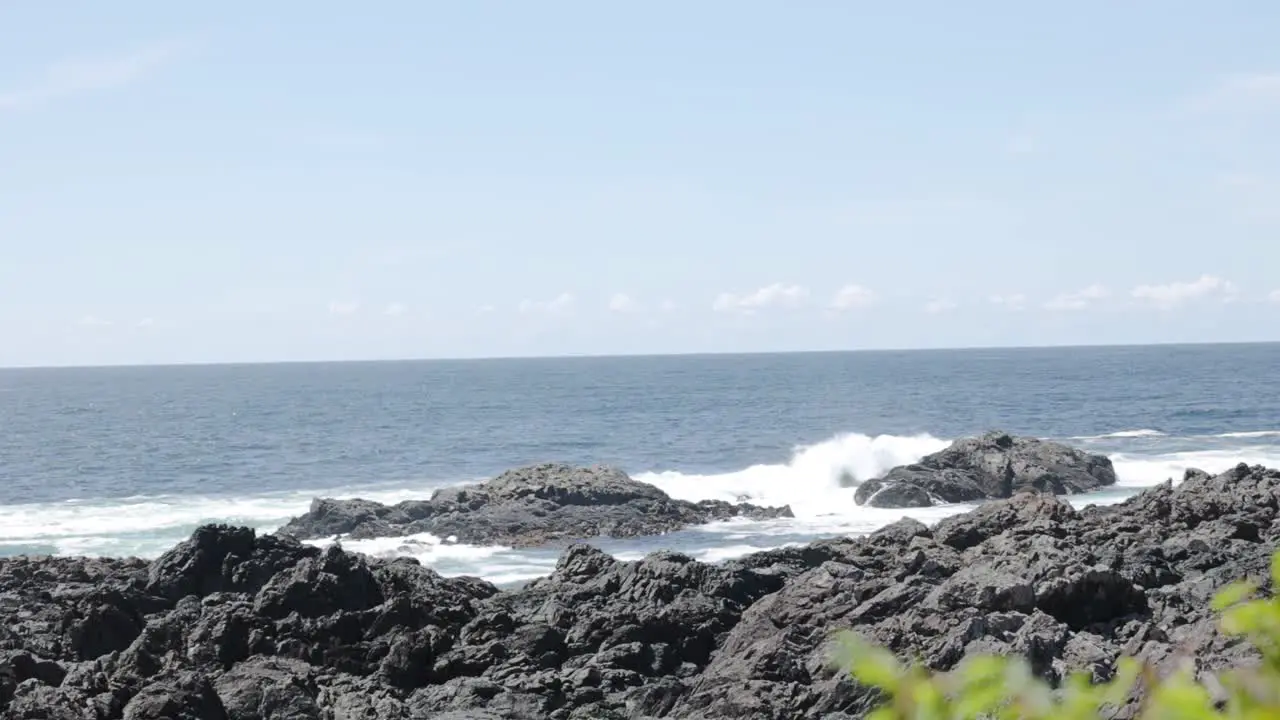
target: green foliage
<point>1003,688</point>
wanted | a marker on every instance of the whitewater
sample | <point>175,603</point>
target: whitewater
<point>815,481</point>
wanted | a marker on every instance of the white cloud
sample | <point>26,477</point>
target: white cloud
<point>395,309</point>
<point>1078,300</point>
<point>776,295</point>
<point>1016,301</point>
<point>938,306</point>
<point>1274,296</point>
<point>73,77</point>
<point>668,306</point>
<point>344,307</point>
<point>485,309</point>
<point>851,297</point>
<point>623,303</point>
<point>562,303</point>
<point>146,322</point>
<point>95,321</point>
<point>1173,294</point>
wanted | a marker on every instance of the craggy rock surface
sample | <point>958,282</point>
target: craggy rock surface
<point>994,465</point>
<point>531,506</point>
<point>232,625</point>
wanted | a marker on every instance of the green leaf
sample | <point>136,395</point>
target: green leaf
<point>870,665</point>
<point>1233,594</point>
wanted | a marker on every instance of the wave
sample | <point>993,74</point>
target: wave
<point>1121,434</point>
<point>1250,434</point>
<point>501,565</point>
<point>816,480</point>
<point>1138,471</point>
<point>146,526</point>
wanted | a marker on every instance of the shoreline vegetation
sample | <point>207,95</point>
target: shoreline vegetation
<point>1023,599</point>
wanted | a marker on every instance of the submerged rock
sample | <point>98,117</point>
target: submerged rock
<point>536,505</point>
<point>994,465</point>
<point>234,625</point>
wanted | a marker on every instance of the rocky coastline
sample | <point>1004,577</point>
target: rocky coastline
<point>234,625</point>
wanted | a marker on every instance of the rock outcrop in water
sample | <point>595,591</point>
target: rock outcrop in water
<point>536,505</point>
<point>230,625</point>
<point>994,465</point>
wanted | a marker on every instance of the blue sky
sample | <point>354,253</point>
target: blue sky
<point>241,181</point>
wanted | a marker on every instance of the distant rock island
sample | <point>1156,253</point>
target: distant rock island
<point>994,465</point>
<point>531,506</point>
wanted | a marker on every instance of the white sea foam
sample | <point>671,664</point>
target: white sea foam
<point>1121,434</point>
<point>1137,471</point>
<point>147,526</point>
<point>810,482</point>
<point>1250,434</point>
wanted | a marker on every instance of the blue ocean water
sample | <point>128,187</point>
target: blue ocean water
<point>129,460</point>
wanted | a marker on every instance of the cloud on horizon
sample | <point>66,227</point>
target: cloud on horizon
<point>853,296</point>
<point>1078,300</point>
<point>623,303</point>
<point>777,295</point>
<point>558,305</point>
<point>1171,295</point>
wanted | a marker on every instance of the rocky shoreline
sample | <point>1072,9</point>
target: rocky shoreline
<point>234,625</point>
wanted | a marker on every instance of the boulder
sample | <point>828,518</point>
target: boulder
<point>536,505</point>
<point>994,465</point>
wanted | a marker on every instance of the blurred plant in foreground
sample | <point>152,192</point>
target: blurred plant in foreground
<point>1004,688</point>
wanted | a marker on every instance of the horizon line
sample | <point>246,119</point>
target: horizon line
<point>604,356</point>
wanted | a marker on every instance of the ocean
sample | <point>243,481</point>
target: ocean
<point>128,461</point>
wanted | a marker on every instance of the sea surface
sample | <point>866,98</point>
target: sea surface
<point>128,461</point>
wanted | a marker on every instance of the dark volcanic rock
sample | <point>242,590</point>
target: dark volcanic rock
<point>537,505</point>
<point>995,465</point>
<point>236,626</point>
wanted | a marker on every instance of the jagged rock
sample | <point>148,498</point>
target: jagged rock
<point>536,505</point>
<point>234,625</point>
<point>994,465</point>
<point>187,696</point>
<point>269,689</point>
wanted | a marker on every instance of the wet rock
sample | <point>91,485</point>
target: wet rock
<point>994,465</point>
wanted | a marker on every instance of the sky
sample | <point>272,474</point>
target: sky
<point>235,181</point>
